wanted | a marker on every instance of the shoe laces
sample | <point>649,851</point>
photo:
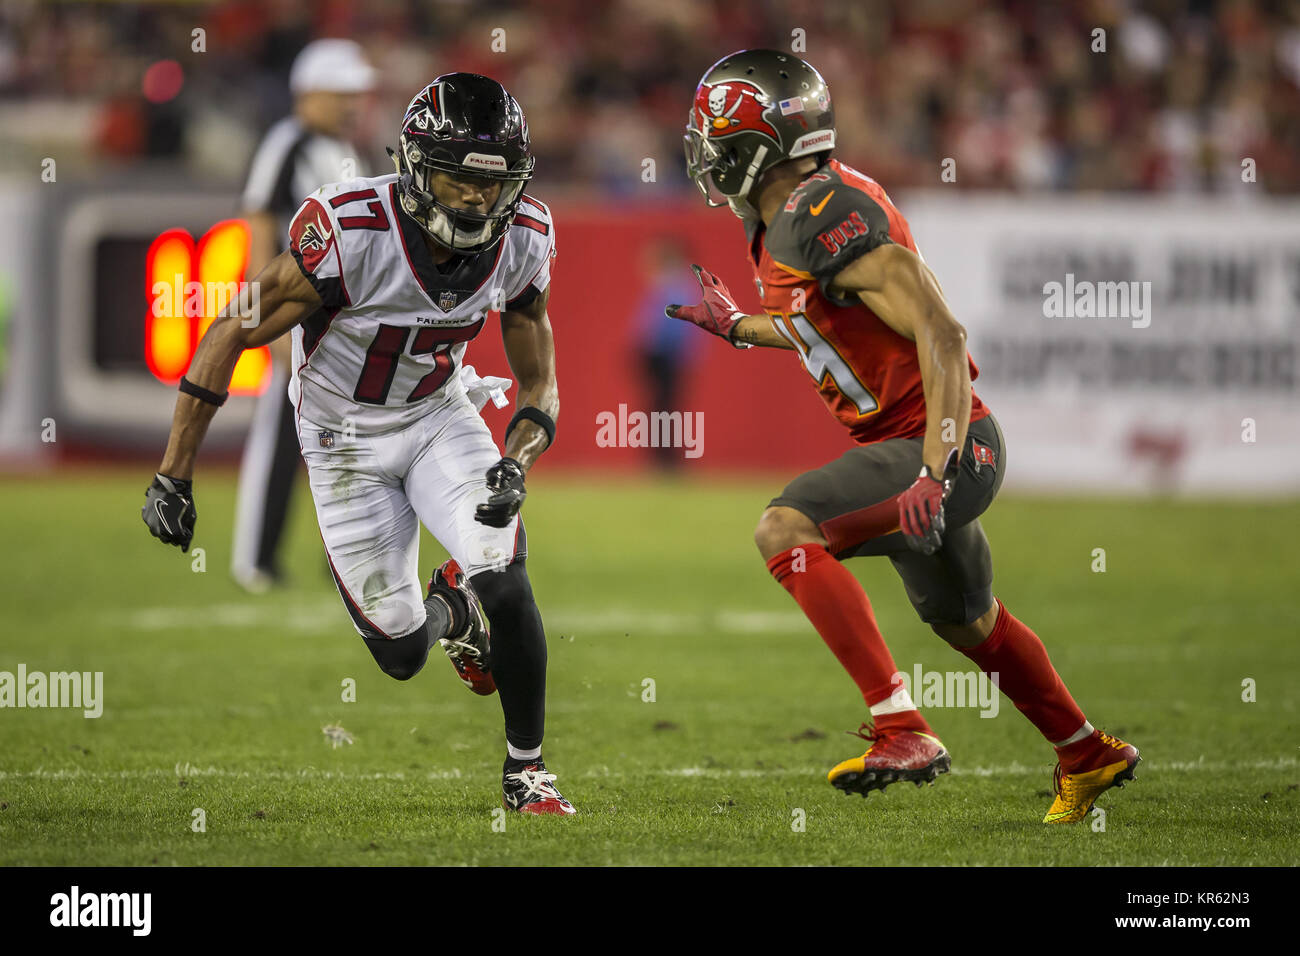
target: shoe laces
<point>1062,782</point>
<point>536,783</point>
<point>869,733</point>
<point>457,649</point>
<point>1103,739</point>
<point>1059,775</point>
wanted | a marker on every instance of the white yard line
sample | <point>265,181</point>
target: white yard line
<point>328,615</point>
<point>188,771</point>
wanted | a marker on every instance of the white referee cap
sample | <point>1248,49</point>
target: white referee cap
<point>331,66</point>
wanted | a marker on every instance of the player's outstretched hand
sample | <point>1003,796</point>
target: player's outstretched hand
<point>169,510</point>
<point>718,313</point>
<point>505,480</point>
<point>920,507</point>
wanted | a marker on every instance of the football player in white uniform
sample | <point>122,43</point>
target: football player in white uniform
<point>384,283</point>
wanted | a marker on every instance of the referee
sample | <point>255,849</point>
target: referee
<point>299,154</point>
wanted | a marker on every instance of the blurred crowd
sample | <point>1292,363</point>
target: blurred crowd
<point>1171,95</point>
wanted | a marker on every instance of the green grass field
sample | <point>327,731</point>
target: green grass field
<point>216,700</point>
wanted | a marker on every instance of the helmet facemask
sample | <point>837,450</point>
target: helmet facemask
<point>462,230</point>
<point>702,159</point>
<point>717,173</point>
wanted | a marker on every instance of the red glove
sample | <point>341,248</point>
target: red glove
<point>920,507</point>
<point>718,313</point>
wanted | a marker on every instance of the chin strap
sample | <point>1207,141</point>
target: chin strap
<point>754,165</point>
<point>743,210</point>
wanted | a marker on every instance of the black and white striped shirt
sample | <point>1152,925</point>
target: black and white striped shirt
<point>290,163</point>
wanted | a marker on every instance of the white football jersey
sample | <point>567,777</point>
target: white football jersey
<point>394,325</point>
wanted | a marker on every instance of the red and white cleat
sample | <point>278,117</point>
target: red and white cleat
<point>468,652</point>
<point>531,789</point>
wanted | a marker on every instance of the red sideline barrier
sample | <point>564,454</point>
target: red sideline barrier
<point>760,407</point>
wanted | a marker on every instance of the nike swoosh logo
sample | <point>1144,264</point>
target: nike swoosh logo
<point>817,209</point>
<point>157,507</point>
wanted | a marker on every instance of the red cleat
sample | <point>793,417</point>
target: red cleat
<point>531,789</point>
<point>469,653</point>
<point>892,756</point>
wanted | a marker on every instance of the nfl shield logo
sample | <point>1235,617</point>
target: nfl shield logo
<point>447,301</point>
<point>327,439</point>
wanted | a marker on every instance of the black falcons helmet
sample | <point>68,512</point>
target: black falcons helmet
<point>752,110</point>
<point>468,126</point>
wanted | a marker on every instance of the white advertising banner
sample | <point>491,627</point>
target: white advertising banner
<point>20,414</point>
<point>1129,345</point>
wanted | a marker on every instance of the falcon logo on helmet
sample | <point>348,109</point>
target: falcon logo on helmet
<point>467,127</point>
<point>753,110</point>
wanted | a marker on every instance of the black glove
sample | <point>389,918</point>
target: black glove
<point>505,480</point>
<point>169,510</point>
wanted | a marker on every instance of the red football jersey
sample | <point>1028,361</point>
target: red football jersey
<point>868,374</point>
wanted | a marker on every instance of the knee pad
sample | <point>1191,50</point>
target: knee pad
<point>395,615</point>
<point>401,657</point>
<point>389,611</point>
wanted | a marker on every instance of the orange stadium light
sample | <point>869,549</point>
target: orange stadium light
<point>187,286</point>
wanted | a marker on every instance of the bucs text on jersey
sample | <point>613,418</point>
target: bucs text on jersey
<point>393,325</point>
<point>868,375</point>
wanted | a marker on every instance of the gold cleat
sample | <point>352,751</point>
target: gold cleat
<point>1076,792</point>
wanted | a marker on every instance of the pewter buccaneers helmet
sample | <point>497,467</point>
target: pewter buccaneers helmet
<point>465,125</point>
<point>752,110</point>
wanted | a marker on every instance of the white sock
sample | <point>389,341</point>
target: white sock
<point>1074,738</point>
<point>896,703</point>
<point>516,754</point>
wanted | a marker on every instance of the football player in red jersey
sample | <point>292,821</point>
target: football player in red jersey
<point>842,284</point>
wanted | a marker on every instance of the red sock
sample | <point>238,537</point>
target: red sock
<point>1024,673</point>
<point>838,608</point>
<point>1084,754</point>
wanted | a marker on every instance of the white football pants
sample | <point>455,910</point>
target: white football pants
<point>372,492</point>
